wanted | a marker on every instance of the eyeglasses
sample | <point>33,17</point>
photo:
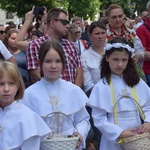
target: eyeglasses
<point>63,21</point>
<point>77,32</point>
<point>2,32</point>
<point>115,17</point>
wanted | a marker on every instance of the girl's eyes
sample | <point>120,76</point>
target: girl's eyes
<point>49,61</point>
<point>115,59</point>
<point>10,83</point>
<point>58,61</point>
<point>124,60</point>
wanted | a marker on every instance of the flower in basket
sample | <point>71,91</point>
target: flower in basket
<point>137,131</point>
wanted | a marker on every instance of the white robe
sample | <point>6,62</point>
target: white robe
<point>72,103</point>
<point>128,115</point>
<point>21,128</point>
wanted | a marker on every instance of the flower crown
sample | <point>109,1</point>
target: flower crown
<point>109,46</point>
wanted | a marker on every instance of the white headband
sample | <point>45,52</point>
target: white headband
<point>109,46</point>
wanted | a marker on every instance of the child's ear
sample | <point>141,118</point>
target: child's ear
<point>106,57</point>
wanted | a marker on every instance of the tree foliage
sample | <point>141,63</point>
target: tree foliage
<point>127,5</point>
<point>20,7</point>
<point>81,8</point>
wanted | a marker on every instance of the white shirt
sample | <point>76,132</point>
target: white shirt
<point>91,68</point>
<point>21,128</point>
<point>80,46</point>
<point>139,24</point>
<point>4,51</point>
<point>72,101</point>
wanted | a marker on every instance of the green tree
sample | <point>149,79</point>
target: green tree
<point>127,5</point>
<point>81,8</point>
<point>20,7</point>
<point>140,6</point>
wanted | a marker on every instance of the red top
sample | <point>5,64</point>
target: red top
<point>144,35</point>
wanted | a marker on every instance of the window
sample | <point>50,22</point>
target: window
<point>9,15</point>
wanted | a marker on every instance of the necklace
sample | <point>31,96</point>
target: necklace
<point>126,33</point>
<point>54,99</point>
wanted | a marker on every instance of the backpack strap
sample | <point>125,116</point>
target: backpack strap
<point>147,27</point>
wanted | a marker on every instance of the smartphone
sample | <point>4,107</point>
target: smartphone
<point>38,10</point>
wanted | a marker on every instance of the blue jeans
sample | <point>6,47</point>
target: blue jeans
<point>148,79</point>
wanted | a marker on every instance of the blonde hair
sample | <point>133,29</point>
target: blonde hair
<point>111,7</point>
<point>14,74</point>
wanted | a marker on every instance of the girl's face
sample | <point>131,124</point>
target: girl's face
<point>52,66</point>
<point>115,18</point>
<point>11,41</point>
<point>118,62</point>
<point>8,90</point>
<point>98,36</point>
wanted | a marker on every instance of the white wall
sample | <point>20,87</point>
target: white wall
<point>3,19</point>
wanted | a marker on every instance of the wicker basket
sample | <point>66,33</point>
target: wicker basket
<point>137,142</point>
<point>59,143</point>
<point>62,142</point>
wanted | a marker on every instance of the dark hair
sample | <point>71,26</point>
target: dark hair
<point>38,18</point>
<point>1,57</point>
<point>103,20</point>
<point>9,27</point>
<point>130,75</point>
<point>95,24</point>
<point>20,25</point>
<point>54,14</point>
<point>31,27</point>
<point>45,48</point>
<point>76,19</point>
<point>87,28</point>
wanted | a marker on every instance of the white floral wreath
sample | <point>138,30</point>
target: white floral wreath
<point>109,46</point>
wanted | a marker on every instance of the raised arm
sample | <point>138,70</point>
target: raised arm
<point>20,43</point>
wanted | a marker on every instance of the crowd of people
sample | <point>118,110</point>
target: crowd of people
<point>95,73</point>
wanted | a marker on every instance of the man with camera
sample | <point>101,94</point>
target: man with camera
<point>57,27</point>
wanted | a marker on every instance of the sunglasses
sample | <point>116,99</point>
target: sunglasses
<point>63,21</point>
<point>115,17</point>
<point>2,32</point>
<point>77,32</point>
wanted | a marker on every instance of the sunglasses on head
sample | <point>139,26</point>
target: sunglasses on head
<point>63,21</point>
<point>115,16</point>
<point>2,32</point>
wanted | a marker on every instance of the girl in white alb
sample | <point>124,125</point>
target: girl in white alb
<point>52,94</point>
<point>114,111</point>
<point>20,127</point>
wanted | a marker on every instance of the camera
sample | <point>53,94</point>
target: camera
<point>38,10</point>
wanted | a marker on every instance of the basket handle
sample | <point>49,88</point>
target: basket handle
<point>65,116</point>
<point>138,105</point>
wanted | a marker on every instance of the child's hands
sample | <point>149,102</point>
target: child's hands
<point>80,139</point>
<point>127,133</point>
<point>145,127</point>
<point>137,57</point>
